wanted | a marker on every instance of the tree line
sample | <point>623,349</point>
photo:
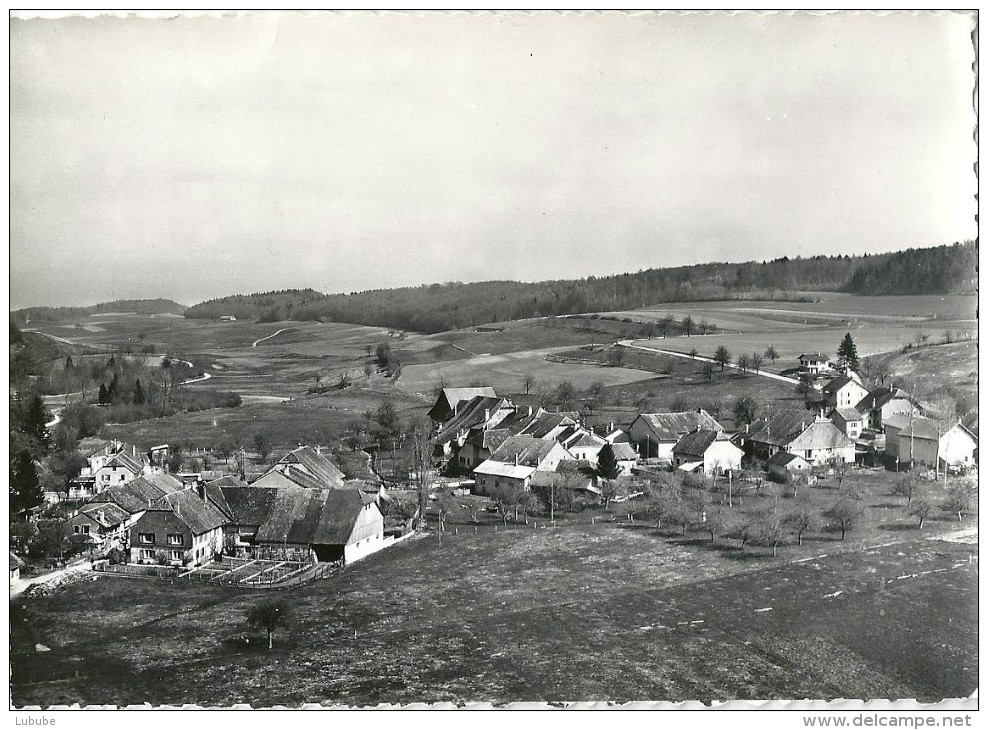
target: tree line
<point>454,305</point>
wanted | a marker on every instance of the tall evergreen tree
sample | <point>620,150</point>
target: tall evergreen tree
<point>138,393</point>
<point>69,365</point>
<point>847,354</point>
<point>607,465</point>
<point>33,421</point>
<point>111,392</point>
<point>25,487</point>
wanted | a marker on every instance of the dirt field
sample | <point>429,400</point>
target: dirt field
<point>587,611</point>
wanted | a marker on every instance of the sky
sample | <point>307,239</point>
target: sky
<point>196,157</point>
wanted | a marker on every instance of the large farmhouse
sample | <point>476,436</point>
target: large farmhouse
<point>818,441</point>
<point>656,433</point>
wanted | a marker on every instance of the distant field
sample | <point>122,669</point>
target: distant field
<point>506,372</point>
<point>580,612</point>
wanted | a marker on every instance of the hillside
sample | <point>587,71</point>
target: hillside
<point>62,314</point>
<point>440,307</point>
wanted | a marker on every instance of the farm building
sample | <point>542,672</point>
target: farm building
<point>104,523</point>
<point>656,433</point>
<point>309,525</point>
<point>883,402</point>
<point>479,446</point>
<point>449,399</point>
<point>818,441</point>
<point>15,566</point>
<point>921,440</point>
<point>304,467</point>
<point>814,363</point>
<point>516,460</point>
<point>578,475</point>
<point>707,450</point>
<point>545,425</point>
<point>136,497</point>
<point>581,443</point>
<point>179,528</point>
<point>843,392</point>
<point>624,454</point>
<point>481,412</point>
<point>783,465</point>
<point>848,420</point>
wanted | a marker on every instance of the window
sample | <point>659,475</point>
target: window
<point>147,555</point>
<point>85,529</point>
<point>75,529</point>
<point>175,539</point>
<point>123,477</point>
<point>147,538</point>
<point>176,554</point>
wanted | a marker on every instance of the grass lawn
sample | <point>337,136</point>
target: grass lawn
<point>598,611</point>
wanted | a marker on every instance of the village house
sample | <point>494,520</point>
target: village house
<point>923,441</point>
<point>303,524</point>
<point>449,399</point>
<point>104,523</point>
<point>708,450</point>
<point>656,433</point>
<point>179,529</point>
<point>843,392</point>
<point>883,402</point>
<point>814,363</point>
<point>481,412</point>
<point>115,463</point>
<point>577,475</point>
<point>15,566</point>
<point>478,447</point>
<point>582,444</point>
<point>545,425</point>
<point>848,420</point>
<point>303,467</point>
<point>819,441</point>
<point>516,460</point>
<point>625,455</point>
<point>136,497</point>
<point>783,466</point>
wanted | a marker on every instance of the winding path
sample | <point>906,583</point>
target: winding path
<point>283,329</point>
<point>773,376</point>
<point>19,586</point>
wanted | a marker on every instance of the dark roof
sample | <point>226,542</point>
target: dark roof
<point>921,428</point>
<point>449,398</point>
<point>970,422</point>
<point>577,473</point>
<point>697,443</point>
<point>15,562</point>
<point>672,426</point>
<point>529,450</point>
<point>489,438</point>
<point>250,505</point>
<point>542,423</point>
<point>779,430</point>
<point>315,464</point>
<point>879,397</point>
<point>135,496</point>
<point>341,508</point>
<point>814,357</point>
<point>474,412</point>
<point>199,516</point>
<point>214,493</point>
<point>106,514</point>
<point>837,383</point>
<point>782,458</point>
<point>125,460</point>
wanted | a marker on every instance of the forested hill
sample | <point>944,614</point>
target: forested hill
<point>62,314</point>
<point>440,307</point>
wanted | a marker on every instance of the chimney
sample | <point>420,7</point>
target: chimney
<point>746,428</point>
<point>319,449</point>
<point>487,414</point>
<point>531,411</point>
<point>516,458</point>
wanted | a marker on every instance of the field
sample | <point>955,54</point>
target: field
<point>589,611</point>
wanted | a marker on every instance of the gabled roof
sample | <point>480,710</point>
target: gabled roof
<point>624,451</point>
<point>523,450</point>
<point>450,398</point>
<point>783,458</point>
<point>341,508</point>
<point>921,428</point>
<point>839,382</point>
<point>249,505</point>
<point>489,438</point>
<point>503,469</point>
<point>544,423</point>
<point>306,459</point>
<point>117,447</point>
<point>880,396</point>
<point>821,434</point>
<point>696,444</point>
<point>672,426</point>
<point>576,473</point>
<point>618,436</point>
<point>215,495</point>
<point>475,412</point>
<point>137,494</point>
<point>126,461</point>
<point>199,516</point>
<point>814,357</point>
<point>779,430</point>
<point>848,414</point>
<point>107,514</point>
<point>312,516</point>
<point>581,438</point>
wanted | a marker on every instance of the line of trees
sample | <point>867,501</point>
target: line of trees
<point>453,305</point>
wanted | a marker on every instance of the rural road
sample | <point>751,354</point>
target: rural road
<point>18,587</point>
<point>257,342</point>
<point>701,358</point>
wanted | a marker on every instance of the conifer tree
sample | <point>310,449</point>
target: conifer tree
<point>847,354</point>
<point>607,465</point>
<point>102,397</point>
<point>138,393</point>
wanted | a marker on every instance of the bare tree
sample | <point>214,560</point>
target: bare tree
<point>528,382</point>
<point>756,361</point>
<point>771,353</point>
<point>921,509</point>
<point>268,615</point>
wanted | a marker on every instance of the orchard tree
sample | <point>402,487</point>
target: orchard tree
<point>744,362</point>
<point>800,518</point>
<point>957,501</point>
<point>722,356</point>
<point>745,409</point>
<point>921,509</point>
<point>906,487</point>
<point>756,361</point>
<point>528,383</point>
<point>268,615</point>
<point>689,326</point>
<point>844,513</point>
<point>771,353</point>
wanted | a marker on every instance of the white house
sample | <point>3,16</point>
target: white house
<point>516,460</point>
<point>843,392</point>
<point>814,363</point>
<point>656,433</point>
<point>848,420</point>
<point>709,450</point>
